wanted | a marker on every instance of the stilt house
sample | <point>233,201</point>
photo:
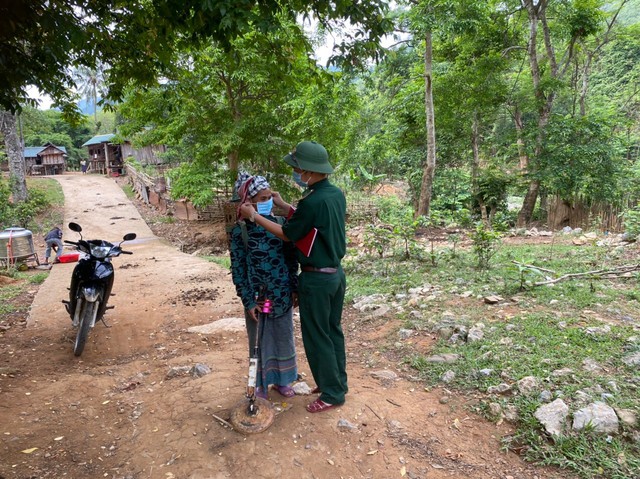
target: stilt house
<point>45,160</point>
<point>104,156</point>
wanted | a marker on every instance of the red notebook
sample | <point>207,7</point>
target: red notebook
<point>306,244</point>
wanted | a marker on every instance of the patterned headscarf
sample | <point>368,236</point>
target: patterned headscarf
<point>248,186</point>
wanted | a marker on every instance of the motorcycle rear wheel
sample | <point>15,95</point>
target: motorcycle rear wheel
<point>87,312</point>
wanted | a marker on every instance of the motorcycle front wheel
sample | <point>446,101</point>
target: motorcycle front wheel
<point>87,312</point>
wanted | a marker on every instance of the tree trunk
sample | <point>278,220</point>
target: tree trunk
<point>544,204</point>
<point>234,155</point>
<point>536,11</point>
<point>424,203</point>
<point>95,101</point>
<point>522,154</point>
<point>475,171</point>
<point>585,86</point>
<point>492,215</point>
<point>234,102</point>
<point>233,162</point>
<point>529,203</point>
<point>13,148</point>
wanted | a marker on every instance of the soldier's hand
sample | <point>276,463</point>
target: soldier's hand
<point>246,210</point>
<point>277,200</point>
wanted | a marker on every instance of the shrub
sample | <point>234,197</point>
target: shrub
<point>20,214</point>
<point>393,210</point>
<point>405,231</point>
<point>632,222</point>
<point>485,244</point>
<point>504,220</point>
<point>24,211</point>
<point>378,238</point>
<point>5,206</point>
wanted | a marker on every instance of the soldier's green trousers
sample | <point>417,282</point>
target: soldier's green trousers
<point>320,298</point>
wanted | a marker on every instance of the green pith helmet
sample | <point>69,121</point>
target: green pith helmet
<point>309,156</point>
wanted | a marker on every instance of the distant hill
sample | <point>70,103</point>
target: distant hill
<point>630,15</point>
<point>86,107</point>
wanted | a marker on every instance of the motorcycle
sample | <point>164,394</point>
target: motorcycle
<point>91,283</point>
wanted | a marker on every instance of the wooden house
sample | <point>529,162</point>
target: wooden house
<point>107,157</point>
<point>148,155</point>
<point>45,160</point>
<point>104,156</point>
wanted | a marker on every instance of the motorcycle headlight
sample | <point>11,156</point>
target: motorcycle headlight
<point>100,251</point>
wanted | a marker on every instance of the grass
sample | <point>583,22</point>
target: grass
<point>549,328</point>
<point>129,191</point>
<point>7,293</point>
<point>222,261</point>
<point>52,215</point>
<point>535,345</point>
<point>10,292</point>
<point>590,455</point>
<point>165,219</point>
<point>38,278</point>
<point>51,189</point>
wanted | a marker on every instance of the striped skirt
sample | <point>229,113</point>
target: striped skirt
<point>277,351</point>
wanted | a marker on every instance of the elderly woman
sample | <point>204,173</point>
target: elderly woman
<point>261,260</point>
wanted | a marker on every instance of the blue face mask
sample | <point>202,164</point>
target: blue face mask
<point>297,177</point>
<point>264,208</point>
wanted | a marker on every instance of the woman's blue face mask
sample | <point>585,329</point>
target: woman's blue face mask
<point>297,177</point>
<point>264,208</point>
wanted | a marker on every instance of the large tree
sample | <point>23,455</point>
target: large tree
<point>485,108</point>
<point>460,42</point>
<point>471,94</point>
<point>223,107</point>
<point>423,20</point>
<point>245,107</point>
<point>41,39</point>
<point>90,83</point>
<point>555,29</point>
<point>14,153</point>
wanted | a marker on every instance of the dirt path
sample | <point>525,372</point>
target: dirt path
<point>116,413</point>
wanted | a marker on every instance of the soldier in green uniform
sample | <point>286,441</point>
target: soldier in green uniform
<point>317,228</point>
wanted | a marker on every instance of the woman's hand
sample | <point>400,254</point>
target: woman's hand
<point>253,312</point>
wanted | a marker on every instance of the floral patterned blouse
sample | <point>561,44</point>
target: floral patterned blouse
<point>266,260</point>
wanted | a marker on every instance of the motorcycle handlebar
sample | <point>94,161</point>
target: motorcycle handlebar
<point>125,252</point>
<point>71,242</point>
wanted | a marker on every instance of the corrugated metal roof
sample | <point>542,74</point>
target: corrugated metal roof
<point>33,151</point>
<point>96,140</point>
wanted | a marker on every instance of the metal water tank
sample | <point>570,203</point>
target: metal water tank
<point>16,243</point>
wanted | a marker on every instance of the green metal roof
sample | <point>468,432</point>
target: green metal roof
<point>33,151</point>
<point>96,140</point>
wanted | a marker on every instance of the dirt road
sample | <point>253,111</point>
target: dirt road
<point>118,412</point>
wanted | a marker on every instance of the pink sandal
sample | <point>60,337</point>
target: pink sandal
<point>319,406</point>
<point>286,391</point>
